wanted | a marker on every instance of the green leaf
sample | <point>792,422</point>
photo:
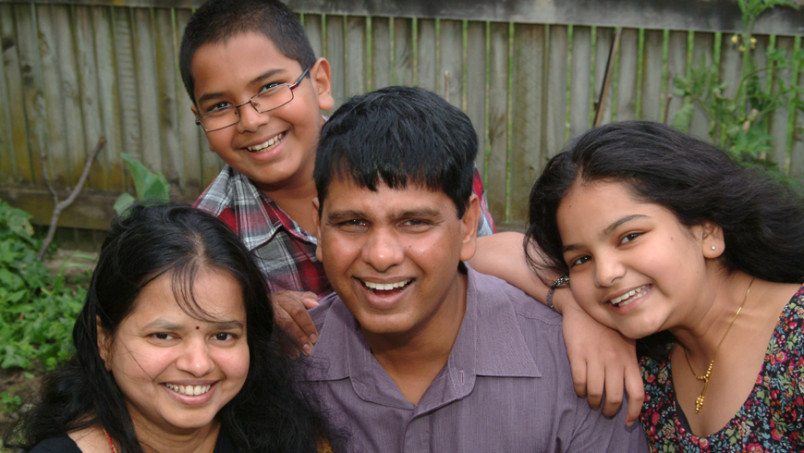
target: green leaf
<point>149,185</point>
<point>683,118</point>
<point>123,202</point>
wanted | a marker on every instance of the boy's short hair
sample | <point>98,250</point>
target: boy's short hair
<point>399,135</point>
<point>218,20</point>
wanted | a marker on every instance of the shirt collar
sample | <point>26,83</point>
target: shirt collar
<point>489,343</point>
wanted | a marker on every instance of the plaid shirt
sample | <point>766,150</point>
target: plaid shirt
<point>285,252</point>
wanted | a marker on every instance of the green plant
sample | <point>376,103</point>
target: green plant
<point>148,185</point>
<point>740,123</point>
<point>37,309</point>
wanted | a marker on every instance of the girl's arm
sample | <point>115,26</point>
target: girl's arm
<point>602,361</point>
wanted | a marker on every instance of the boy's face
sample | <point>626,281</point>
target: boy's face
<point>392,255</point>
<point>276,149</point>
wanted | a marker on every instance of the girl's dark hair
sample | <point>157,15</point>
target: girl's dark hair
<point>762,219</point>
<point>267,415</point>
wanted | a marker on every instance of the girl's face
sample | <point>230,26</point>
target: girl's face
<point>175,371</point>
<point>633,266</point>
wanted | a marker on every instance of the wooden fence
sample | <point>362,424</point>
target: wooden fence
<point>72,72</point>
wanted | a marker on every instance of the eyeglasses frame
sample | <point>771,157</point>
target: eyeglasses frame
<point>254,104</point>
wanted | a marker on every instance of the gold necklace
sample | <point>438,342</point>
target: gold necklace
<point>699,401</point>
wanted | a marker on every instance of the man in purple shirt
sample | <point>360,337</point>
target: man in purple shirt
<point>417,352</point>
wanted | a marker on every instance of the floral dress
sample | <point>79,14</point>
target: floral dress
<point>771,419</point>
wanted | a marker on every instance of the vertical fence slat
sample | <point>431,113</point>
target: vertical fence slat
<point>555,88</point>
<point>652,76</point>
<point>7,167</point>
<point>58,85</point>
<point>796,169</point>
<point>780,117</point>
<point>127,86</point>
<point>199,165</point>
<point>603,41</point>
<point>626,94</point>
<point>702,52</point>
<point>380,53</point>
<point>475,85</point>
<point>450,63</point>
<point>336,54</point>
<point>427,64</point>
<point>579,82</point>
<point>28,161</point>
<point>64,167</point>
<point>526,151</point>
<point>497,114</point>
<point>147,81</point>
<point>676,66</point>
<point>356,59</point>
<point>403,59</point>
<point>107,92</point>
<point>90,102</point>
<point>164,54</point>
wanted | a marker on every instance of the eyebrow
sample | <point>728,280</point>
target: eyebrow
<point>162,324</point>
<point>338,216</point>
<point>265,75</point>
<point>609,229</point>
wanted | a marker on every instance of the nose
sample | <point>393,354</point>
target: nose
<point>608,269</point>
<point>250,118</point>
<point>382,250</point>
<point>195,358</point>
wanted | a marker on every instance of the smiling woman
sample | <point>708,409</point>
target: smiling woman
<point>174,350</point>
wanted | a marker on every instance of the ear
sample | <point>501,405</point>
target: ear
<point>322,83</point>
<point>104,343</point>
<point>317,219</point>
<point>713,244</point>
<point>469,228</point>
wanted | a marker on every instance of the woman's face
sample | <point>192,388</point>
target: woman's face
<point>175,371</point>
<point>633,266</point>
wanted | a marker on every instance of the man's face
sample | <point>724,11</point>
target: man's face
<point>392,256</point>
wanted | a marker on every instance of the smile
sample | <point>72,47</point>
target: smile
<point>273,141</point>
<point>629,297</point>
<point>190,390</point>
<point>386,286</point>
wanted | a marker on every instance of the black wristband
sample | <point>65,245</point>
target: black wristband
<point>559,282</point>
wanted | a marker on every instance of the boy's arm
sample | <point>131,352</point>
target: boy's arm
<point>290,315</point>
<point>602,361</point>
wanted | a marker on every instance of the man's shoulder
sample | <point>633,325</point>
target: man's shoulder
<point>492,291</point>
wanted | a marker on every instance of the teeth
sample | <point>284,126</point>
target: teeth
<point>191,390</point>
<point>273,141</point>
<point>385,286</point>
<point>626,298</point>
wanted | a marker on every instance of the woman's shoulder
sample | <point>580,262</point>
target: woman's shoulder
<point>59,444</point>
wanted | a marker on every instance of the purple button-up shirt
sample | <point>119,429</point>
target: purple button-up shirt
<point>506,386</point>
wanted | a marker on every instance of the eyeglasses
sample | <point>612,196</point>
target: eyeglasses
<point>224,115</point>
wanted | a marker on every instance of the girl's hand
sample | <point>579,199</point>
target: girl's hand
<point>603,362</point>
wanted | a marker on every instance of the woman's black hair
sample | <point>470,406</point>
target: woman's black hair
<point>762,219</point>
<point>267,415</point>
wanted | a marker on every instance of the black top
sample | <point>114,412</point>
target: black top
<point>64,444</point>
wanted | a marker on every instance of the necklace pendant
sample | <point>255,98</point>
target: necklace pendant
<point>699,401</point>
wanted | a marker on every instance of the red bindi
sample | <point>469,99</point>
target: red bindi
<point>196,327</point>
